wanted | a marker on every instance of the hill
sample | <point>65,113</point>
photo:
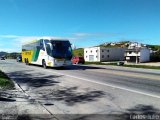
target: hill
<point>2,53</point>
<point>78,52</point>
<point>155,56</point>
<point>154,47</point>
<point>122,44</point>
<point>12,55</point>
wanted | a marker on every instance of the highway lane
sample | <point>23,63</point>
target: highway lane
<point>133,79</point>
<point>88,89</point>
<point>141,81</point>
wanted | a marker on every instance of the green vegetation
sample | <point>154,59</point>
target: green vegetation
<point>156,55</point>
<point>143,66</point>
<point>121,44</point>
<point>13,55</point>
<point>154,47</point>
<point>78,52</point>
<point>94,63</point>
<point>5,82</point>
<point>100,63</point>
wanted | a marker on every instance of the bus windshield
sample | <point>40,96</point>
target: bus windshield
<point>62,49</point>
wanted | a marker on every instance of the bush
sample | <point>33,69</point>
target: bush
<point>156,56</point>
<point>5,82</point>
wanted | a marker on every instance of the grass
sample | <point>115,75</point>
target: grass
<point>125,65</point>
<point>143,66</point>
<point>94,63</point>
<point>100,63</point>
<point>5,82</point>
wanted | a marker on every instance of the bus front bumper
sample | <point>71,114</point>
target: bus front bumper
<point>59,63</point>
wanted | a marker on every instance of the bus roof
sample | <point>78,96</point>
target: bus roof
<point>29,42</point>
<point>36,40</point>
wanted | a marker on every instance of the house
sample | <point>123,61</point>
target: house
<point>133,45</point>
<point>137,55</point>
<point>101,54</point>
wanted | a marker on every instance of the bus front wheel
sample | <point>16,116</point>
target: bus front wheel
<point>44,64</point>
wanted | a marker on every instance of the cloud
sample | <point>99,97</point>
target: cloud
<point>12,43</point>
<point>82,34</point>
<point>9,36</point>
<point>96,34</point>
<point>7,50</point>
<point>28,38</point>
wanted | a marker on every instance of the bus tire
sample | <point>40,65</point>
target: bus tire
<point>27,62</point>
<point>44,64</point>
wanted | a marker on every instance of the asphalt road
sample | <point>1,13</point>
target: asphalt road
<point>93,89</point>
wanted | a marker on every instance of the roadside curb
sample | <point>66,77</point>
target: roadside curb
<point>17,86</point>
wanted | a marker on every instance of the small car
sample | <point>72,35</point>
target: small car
<point>2,58</point>
<point>120,63</point>
<point>19,59</point>
<point>77,60</point>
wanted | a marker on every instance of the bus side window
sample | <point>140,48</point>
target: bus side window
<point>41,45</point>
<point>48,48</point>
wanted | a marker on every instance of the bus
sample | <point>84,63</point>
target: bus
<point>47,52</point>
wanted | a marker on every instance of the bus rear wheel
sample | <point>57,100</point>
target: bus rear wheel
<point>26,61</point>
<point>44,64</point>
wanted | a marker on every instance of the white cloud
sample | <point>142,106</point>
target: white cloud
<point>82,34</point>
<point>8,50</point>
<point>9,36</point>
<point>17,41</point>
<point>96,34</point>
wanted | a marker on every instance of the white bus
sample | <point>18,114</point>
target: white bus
<point>47,52</point>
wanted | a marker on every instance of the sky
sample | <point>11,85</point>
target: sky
<point>84,22</point>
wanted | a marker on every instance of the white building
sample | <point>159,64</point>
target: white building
<point>137,55</point>
<point>100,54</point>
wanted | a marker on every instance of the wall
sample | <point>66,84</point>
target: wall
<point>92,51</point>
<point>112,54</point>
<point>104,54</point>
<point>144,55</point>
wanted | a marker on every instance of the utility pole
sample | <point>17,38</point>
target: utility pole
<point>136,56</point>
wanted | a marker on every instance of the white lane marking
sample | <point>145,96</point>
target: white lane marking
<point>109,85</point>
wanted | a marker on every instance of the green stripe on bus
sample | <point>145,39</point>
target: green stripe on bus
<point>35,54</point>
